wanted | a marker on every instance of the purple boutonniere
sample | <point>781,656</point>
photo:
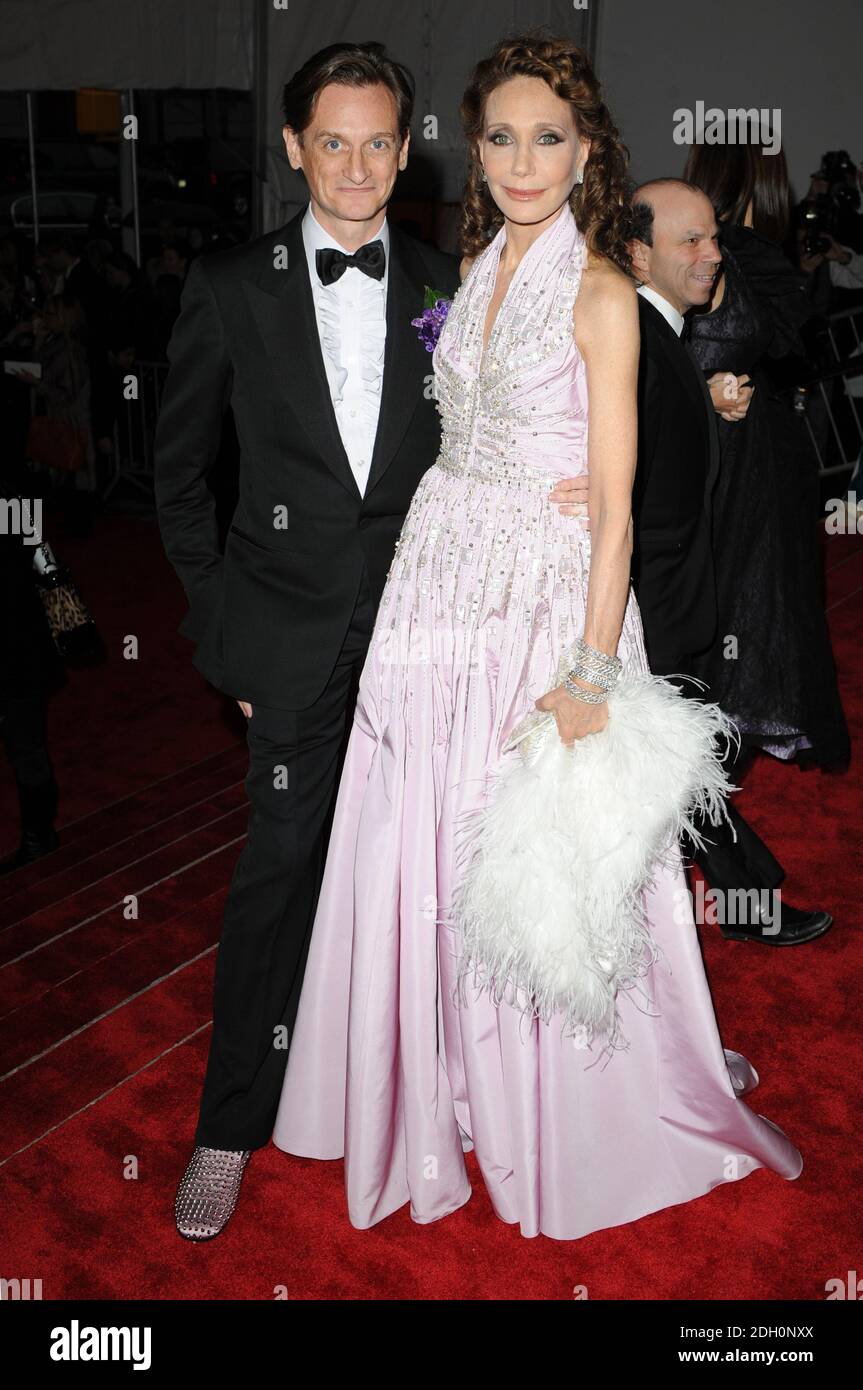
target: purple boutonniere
<point>432,318</point>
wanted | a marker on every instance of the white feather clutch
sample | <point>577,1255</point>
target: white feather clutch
<point>550,906</point>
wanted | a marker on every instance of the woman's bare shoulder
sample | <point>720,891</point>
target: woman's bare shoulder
<point>605,312</point>
<point>606,294</point>
<point>466,263</point>
<point>604,280</point>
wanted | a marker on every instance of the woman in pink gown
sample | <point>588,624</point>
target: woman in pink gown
<point>389,1067</point>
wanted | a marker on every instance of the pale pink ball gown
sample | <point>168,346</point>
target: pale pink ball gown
<point>386,1068</point>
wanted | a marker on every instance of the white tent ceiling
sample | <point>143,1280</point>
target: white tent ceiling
<point>62,44</point>
<point>651,58</point>
<point>66,44</point>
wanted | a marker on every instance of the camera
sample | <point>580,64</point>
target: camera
<point>821,212</point>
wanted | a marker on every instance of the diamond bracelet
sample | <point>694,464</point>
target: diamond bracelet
<point>588,697</point>
<point>600,663</point>
<point>594,666</point>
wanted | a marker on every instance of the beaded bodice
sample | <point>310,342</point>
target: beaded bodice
<point>518,412</point>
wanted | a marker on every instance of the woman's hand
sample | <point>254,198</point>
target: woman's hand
<point>574,718</point>
<point>730,394</point>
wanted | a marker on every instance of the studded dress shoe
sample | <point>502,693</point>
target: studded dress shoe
<point>795,926</point>
<point>208,1191</point>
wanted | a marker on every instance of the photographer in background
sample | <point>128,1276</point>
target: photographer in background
<point>845,265</point>
<point>831,208</point>
<point>828,232</point>
<point>840,285</point>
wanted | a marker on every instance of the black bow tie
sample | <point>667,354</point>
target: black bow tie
<point>331,263</point>
<point>686,331</point>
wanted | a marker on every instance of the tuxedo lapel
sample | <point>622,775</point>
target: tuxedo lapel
<point>710,425</point>
<point>713,432</point>
<point>284,310</point>
<point>406,362</point>
<point>689,374</point>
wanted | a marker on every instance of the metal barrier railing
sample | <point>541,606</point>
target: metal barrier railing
<point>847,436</point>
<point>849,316</point>
<point>841,426</point>
<point>135,430</point>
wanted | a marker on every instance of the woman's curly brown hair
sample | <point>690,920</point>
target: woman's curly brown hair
<point>600,203</point>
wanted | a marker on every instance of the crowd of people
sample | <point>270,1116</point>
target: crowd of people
<point>74,320</point>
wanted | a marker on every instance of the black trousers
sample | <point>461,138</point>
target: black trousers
<point>295,760</point>
<point>727,863</point>
<point>23,732</point>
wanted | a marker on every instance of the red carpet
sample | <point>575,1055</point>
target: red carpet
<point>105,1020</point>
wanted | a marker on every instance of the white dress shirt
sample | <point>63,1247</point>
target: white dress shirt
<point>352,326</point>
<point>668,311</point>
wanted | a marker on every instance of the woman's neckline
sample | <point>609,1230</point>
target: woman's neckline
<point>517,276</point>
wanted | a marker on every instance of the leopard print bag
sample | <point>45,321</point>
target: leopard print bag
<point>69,619</point>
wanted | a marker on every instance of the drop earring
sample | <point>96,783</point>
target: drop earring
<point>579,178</point>
<point>483,177</point>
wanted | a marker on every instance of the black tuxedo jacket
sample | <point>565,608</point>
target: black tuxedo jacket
<point>678,462</point>
<point>270,614</point>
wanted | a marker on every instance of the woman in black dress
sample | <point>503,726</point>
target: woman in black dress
<point>771,667</point>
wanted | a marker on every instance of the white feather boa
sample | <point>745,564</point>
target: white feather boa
<point>550,905</point>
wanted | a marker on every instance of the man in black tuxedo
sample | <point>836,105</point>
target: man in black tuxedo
<point>675,257</point>
<point>678,444</point>
<point>306,333</point>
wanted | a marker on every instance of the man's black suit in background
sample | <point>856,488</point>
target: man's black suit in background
<point>678,462</point>
<point>672,571</point>
<point>282,619</point>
